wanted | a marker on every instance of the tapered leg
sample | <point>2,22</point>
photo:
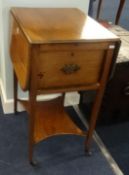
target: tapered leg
<point>93,119</point>
<point>15,84</point>
<point>99,96</point>
<point>121,4</point>
<point>31,122</point>
<point>31,138</point>
<point>98,9</point>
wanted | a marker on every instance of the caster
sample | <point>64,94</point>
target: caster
<point>88,152</point>
<point>34,163</point>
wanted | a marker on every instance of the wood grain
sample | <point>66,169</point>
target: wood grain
<point>59,50</point>
<point>52,119</point>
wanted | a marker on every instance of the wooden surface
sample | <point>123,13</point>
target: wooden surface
<point>50,25</point>
<point>53,34</point>
<point>54,76</point>
<point>59,50</point>
<point>51,119</point>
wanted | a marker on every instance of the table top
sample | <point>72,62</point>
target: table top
<point>59,25</point>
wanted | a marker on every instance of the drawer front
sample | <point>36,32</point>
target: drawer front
<point>65,69</point>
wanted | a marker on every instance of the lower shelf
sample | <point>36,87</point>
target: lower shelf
<point>51,119</point>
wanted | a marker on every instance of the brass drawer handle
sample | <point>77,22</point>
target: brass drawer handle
<point>70,68</point>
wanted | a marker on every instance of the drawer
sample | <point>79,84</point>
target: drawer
<point>60,69</point>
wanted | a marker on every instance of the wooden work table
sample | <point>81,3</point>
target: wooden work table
<point>58,50</point>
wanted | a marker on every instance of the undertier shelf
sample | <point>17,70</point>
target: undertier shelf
<point>51,119</point>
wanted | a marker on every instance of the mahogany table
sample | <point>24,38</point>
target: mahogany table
<point>59,50</point>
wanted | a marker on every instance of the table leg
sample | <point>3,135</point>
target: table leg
<point>120,8</point>
<point>32,113</point>
<point>93,119</point>
<point>15,83</point>
<point>98,9</point>
<point>99,95</point>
